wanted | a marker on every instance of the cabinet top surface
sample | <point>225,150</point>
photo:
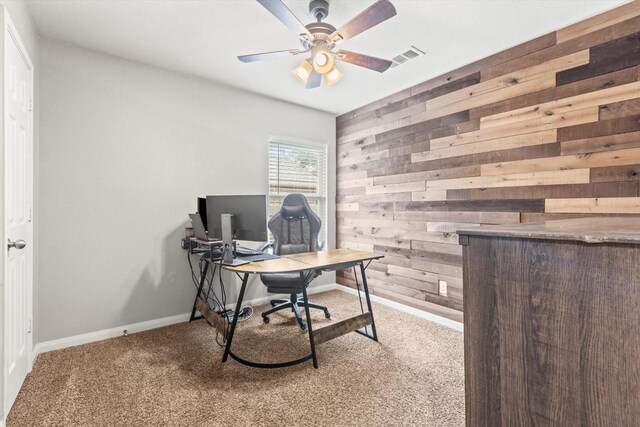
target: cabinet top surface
<point>588,230</point>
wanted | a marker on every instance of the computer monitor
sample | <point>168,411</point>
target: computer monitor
<point>202,210</point>
<point>249,216</point>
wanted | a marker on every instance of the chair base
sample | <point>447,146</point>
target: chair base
<point>294,303</point>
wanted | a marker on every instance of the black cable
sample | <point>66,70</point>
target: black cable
<point>195,280</point>
<point>223,297</point>
<point>217,304</point>
<point>209,297</point>
<point>245,312</point>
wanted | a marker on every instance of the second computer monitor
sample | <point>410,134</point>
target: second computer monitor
<point>249,212</point>
<point>202,210</point>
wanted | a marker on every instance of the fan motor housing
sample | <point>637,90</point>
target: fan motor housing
<point>320,32</point>
<point>319,9</point>
<point>316,28</point>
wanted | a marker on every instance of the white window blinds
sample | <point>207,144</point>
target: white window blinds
<point>298,168</point>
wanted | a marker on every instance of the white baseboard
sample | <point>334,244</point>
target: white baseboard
<point>90,337</point>
<point>104,334</point>
<point>407,309</point>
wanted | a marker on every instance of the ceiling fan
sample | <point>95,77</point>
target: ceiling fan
<point>319,38</point>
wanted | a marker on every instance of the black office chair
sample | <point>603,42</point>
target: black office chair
<point>295,229</point>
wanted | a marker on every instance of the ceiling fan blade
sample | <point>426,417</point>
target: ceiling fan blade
<point>284,15</point>
<point>366,61</point>
<point>378,12</point>
<point>315,79</point>
<point>269,55</point>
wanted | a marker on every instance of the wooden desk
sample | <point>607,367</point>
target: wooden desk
<point>304,261</point>
<point>306,264</point>
<point>552,323</point>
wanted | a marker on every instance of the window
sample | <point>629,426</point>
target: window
<point>298,168</point>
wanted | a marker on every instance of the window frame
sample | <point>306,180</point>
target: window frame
<point>324,200</point>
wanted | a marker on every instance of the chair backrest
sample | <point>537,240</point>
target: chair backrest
<point>295,227</point>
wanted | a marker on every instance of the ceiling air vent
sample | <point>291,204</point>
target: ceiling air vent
<point>400,59</point>
<point>413,52</point>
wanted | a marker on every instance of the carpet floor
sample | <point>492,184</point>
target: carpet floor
<point>173,376</point>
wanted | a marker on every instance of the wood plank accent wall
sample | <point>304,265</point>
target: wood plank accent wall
<point>548,129</point>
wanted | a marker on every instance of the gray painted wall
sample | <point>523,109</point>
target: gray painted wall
<point>125,149</point>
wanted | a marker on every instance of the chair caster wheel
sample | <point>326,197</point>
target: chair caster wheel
<point>327,314</point>
<point>265,319</point>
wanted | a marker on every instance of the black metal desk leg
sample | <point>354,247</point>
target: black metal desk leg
<point>366,293</point>
<point>312,343</point>
<point>203,278</point>
<point>227,348</point>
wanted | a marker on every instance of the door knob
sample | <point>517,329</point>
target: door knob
<point>18,244</point>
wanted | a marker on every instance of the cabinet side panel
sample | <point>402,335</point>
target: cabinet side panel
<point>481,334</point>
<point>552,332</point>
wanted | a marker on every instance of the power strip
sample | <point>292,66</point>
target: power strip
<point>187,243</point>
<point>245,313</point>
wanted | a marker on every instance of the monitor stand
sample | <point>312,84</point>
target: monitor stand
<point>227,241</point>
<point>234,262</point>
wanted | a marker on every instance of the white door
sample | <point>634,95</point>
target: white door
<point>18,197</point>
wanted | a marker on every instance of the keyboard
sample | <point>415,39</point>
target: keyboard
<point>241,250</point>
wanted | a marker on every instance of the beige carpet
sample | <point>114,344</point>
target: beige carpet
<point>173,376</point>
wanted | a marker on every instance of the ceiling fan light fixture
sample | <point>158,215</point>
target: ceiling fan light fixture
<point>322,61</point>
<point>303,71</point>
<point>334,76</point>
<point>320,38</point>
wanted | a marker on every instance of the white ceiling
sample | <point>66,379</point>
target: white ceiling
<point>203,38</point>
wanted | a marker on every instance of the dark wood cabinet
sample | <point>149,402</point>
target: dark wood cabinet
<point>552,323</point>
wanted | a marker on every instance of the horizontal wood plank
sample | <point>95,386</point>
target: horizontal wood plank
<point>576,161</point>
<point>617,174</point>
<point>213,318</point>
<point>618,125</point>
<point>575,176</point>
<point>341,328</point>
<point>474,217</point>
<point>541,192</point>
<point>617,205</point>
<point>601,143</point>
<point>615,109</point>
<point>517,141</point>
<point>396,188</point>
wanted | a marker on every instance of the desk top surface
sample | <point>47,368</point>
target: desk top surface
<point>588,230</point>
<point>332,257</point>
<point>305,261</point>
